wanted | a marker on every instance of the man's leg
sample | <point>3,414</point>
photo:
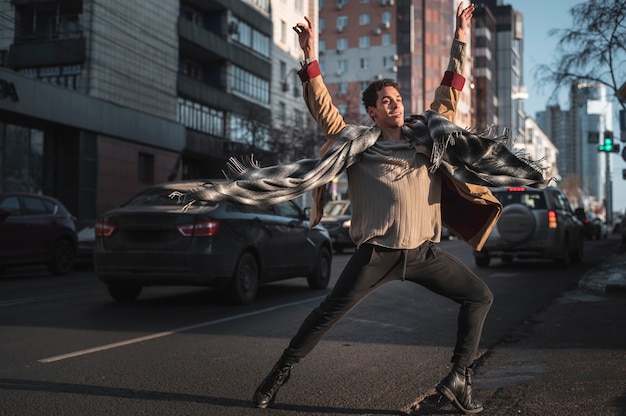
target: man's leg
<point>368,268</point>
<point>446,275</point>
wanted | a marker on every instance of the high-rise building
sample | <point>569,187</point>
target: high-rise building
<point>511,91</point>
<point>485,71</point>
<point>591,115</point>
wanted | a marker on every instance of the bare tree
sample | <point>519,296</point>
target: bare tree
<point>295,142</point>
<point>593,50</point>
<point>571,187</point>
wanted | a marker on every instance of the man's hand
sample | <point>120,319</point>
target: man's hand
<point>463,17</point>
<point>305,37</point>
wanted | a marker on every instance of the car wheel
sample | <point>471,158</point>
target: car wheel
<point>482,261</point>
<point>321,275</point>
<point>63,257</point>
<point>245,280</point>
<point>123,292</point>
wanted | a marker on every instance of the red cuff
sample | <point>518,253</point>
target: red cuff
<point>454,80</point>
<point>309,71</point>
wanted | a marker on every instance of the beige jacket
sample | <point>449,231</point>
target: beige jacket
<point>469,211</point>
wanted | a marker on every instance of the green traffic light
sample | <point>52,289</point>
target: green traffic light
<point>607,146</point>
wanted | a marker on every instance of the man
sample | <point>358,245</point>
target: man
<point>397,206</point>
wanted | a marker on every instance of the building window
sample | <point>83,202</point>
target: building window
<point>322,46</point>
<point>145,165</point>
<point>365,63</point>
<point>342,22</point>
<point>283,31</point>
<point>246,35</point>
<point>68,76</point>
<point>364,19</point>
<point>191,14</point>
<point>364,41</point>
<point>249,86</point>
<point>322,23</point>
<point>386,17</point>
<point>48,20</point>
<point>21,158</point>
<point>199,117</point>
<point>282,112</point>
<point>386,39</point>
<point>298,118</point>
<point>342,88</point>
<point>342,44</point>
<point>342,66</point>
<point>192,69</point>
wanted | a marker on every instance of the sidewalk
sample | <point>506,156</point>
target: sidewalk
<point>569,359</point>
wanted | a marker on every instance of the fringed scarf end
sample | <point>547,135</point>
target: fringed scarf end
<point>440,145</point>
<point>237,168</point>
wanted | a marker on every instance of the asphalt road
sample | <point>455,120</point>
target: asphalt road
<point>68,349</point>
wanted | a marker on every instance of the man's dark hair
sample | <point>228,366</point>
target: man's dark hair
<point>370,94</point>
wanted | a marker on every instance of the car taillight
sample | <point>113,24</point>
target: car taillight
<point>104,229</point>
<point>551,218</point>
<point>516,189</point>
<point>586,221</point>
<point>199,229</point>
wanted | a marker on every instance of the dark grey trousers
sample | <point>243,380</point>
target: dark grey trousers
<point>372,266</point>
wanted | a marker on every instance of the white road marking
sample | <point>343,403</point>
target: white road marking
<point>174,331</point>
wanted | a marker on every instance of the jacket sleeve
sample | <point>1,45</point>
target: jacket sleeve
<point>319,103</point>
<point>327,117</point>
<point>448,93</point>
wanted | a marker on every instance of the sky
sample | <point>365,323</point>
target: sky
<point>539,48</point>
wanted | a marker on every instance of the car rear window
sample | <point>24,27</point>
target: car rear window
<point>159,197</point>
<point>531,199</point>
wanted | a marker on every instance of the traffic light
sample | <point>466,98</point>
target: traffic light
<point>607,142</point>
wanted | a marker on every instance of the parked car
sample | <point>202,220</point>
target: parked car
<point>600,229</point>
<point>149,240</point>
<point>36,230</point>
<point>592,226</point>
<point>535,223</point>
<point>336,219</point>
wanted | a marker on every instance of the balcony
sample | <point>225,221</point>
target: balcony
<point>49,51</point>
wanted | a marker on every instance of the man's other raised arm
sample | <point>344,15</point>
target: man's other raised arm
<point>448,93</point>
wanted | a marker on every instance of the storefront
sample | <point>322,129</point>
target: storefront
<point>91,154</point>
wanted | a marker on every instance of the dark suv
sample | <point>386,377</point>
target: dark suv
<point>535,223</point>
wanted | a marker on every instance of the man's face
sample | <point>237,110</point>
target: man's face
<point>389,110</point>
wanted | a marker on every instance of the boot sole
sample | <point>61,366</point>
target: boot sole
<point>443,390</point>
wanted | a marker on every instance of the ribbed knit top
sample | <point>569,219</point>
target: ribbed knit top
<point>395,199</point>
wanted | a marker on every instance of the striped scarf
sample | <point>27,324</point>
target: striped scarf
<point>476,158</point>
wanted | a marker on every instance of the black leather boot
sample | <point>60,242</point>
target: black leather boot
<point>457,388</point>
<point>266,392</point>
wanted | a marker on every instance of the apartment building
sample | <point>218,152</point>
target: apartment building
<point>101,98</point>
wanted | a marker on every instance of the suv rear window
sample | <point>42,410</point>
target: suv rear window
<point>531,199</point>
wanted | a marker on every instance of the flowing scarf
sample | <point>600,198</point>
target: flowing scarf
<point>476,158</point>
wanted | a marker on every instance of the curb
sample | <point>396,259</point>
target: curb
<point>610,277</point>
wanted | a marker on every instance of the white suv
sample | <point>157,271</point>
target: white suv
<point>535,223</point>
